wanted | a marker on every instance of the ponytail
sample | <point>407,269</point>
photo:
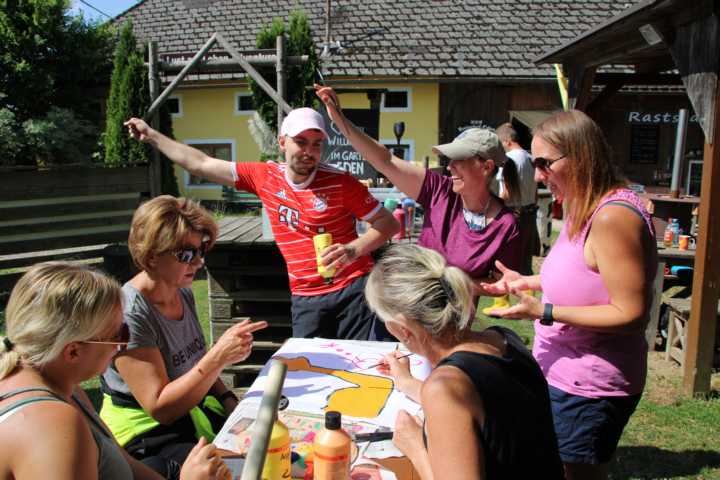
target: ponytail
<point>9,357</point>
<point>511,183</point>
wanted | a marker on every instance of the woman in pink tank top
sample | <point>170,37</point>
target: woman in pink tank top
<point>597,291</point>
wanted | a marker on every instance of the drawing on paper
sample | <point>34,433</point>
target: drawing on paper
<point>373,390</point>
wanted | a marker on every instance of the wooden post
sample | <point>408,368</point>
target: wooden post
<point>706,279</point>
<point>252,72</point>
<point>154,170</point>
<point>281,77</point>
<point>168,90</point>
<point>580,79</point>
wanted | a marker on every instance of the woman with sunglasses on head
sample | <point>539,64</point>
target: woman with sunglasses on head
<point>164,391</point>
<point>64,325</point>
<point>464,220</point>
<point>486,405</point>
<point>597,284</point>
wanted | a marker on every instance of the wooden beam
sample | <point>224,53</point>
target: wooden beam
<point>186,69</point>
<point>210,66</point>
<point>638,78</point>
<point>610,89</point>
<point>280,76</point>
<point>706,279</point>
<point>155,170</point>
<point>252,72</point>
<point>580,82</point>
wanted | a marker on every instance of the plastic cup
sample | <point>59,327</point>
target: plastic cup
<point>684,242</point>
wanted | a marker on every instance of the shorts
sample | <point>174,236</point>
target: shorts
<point>589,429</point>
<point>343,314</point>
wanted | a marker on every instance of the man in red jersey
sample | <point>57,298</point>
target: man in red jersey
<point>302,198</point>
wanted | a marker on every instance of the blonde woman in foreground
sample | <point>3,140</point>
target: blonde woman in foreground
<point>486,404</point>
<point>64,325</point>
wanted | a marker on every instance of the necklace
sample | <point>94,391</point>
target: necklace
<point>477,221</point>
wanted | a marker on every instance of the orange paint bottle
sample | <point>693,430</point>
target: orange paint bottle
<point>331,450</point>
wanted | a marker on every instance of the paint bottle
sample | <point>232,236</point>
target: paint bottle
<point>399,215</point>
<point>321,241</point>
<point>331,455</point>
<point>277,460</point>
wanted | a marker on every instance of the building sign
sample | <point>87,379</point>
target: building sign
<point>339,153</point>
<point>644,140</point>
<point>656,118</point>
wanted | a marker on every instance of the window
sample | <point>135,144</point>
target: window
<point>244,103</point>
<point>407,148</point>
<point>222,149</point>
<point>174,104</point>
<point>397,100</point>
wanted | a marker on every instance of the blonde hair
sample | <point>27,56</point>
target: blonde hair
<point>162,224</point>
<point>592,172</point>
<point>419,284</point>
<point>53,304</point>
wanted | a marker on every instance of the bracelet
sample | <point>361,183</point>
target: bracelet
<point>225,395</point>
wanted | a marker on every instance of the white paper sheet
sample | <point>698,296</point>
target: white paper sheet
<point>331,374</point>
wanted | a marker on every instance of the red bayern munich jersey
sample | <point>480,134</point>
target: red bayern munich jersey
<point>328,201</point>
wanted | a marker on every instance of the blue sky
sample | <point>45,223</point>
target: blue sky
<point>110,7</point>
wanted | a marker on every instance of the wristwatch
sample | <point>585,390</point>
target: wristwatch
<point>547,316</point>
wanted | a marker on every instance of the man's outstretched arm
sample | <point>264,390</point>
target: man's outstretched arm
<point>191,159</point>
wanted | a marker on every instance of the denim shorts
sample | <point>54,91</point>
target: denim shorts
<point>589,429</point>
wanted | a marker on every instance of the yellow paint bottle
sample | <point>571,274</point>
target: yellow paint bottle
<point>321,241</point>
<point>277,461</point>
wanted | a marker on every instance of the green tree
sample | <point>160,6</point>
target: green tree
<point>299,42</point>
<point>128,97</point>
<point>49,59</point>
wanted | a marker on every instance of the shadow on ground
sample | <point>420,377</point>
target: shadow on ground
<point>645,462</point>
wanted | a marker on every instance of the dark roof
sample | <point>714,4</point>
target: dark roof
<point>619,39</point>
<point>419,39</point>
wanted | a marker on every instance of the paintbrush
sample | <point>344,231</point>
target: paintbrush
<point>380,363</point>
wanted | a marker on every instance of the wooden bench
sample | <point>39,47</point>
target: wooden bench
<point>241,199</point>
<point>70,214</point>
<point>679,315</point>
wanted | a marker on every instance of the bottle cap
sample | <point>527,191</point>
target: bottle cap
<point>333,420</point>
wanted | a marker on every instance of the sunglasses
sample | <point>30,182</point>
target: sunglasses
<point>188,254</point>
<point>120,339</point>
<point>544,163</point>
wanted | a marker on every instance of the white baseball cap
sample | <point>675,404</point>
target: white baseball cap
<point>301,119</point>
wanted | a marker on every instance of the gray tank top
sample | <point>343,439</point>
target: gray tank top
<point>111,462</point>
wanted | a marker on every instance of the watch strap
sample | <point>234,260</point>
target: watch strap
<point>547,316</point>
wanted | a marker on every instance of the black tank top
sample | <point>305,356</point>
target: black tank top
<point>518,435</point>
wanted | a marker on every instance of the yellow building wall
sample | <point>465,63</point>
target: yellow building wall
<point>421,121</point>
<point>208,116</point>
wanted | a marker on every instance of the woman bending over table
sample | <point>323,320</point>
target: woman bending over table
<point>486,405</point>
